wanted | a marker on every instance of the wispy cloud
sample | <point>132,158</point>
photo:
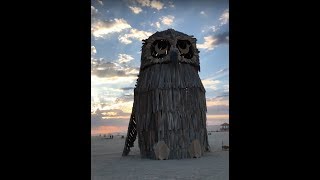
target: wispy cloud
<point>217,119</point>
<point>156,24</point>
<point>210,29</point>
<point>156,4</point>
<point>134,34</point>
<point>100,2</point>
<point>124,58</point>
<point>125,98</point>
<point>151,3</point>
<point>224,18</point>
<point>226,88</point>
<point>210,84</point>
<point>171,4</point>
<point>125,39</point>
<point>135,10</point>
<point>102,28</point>
<point>222,100</point>
<point>167,20</point>
<point>94,11</point>
<point>110,113</point>
<point>216,83</point>
<point>213,28</point>
<point>144,2</point>
<point>216,75</point>
<point>218,109</point>
<point>222,70</point>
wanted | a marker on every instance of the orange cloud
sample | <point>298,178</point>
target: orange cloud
<point>222,116</point>
<point>217,119</point>
<point>117,117</point>
<point>218,102</point>
<point>108,129</point>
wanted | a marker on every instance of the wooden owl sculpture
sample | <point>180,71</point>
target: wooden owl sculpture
<point>169,100</point>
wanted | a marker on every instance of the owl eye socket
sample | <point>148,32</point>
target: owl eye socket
<point>160,48</point>
<point>185,48</point>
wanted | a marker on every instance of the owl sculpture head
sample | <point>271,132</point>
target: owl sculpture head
<point>169,46</point>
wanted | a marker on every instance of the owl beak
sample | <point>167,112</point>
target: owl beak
<point>174,56</point>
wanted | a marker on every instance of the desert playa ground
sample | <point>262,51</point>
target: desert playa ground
<point>107,162</point>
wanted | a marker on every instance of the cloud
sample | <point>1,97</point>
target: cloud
<point>135,10</point>
<point>167,20</point>
<point>217,119</point>
<point>110,113</point>
<point>222,70</point>
<point>94,11</point>
<point>112,85</point>
<point>153,4</point>
<point>218,109</point>
<point>124,39</point>
<point>115,114</point>
<point>210,84</point>
<point>100,2</point>
<point>93,50</point>
<point>210,42</point>
<point>109,95</point>
<point>226,88</point>
<point>156,5</point>
<point>112,93</point>
<point>218,105</point>
<point>124,58</point>
<point>224,18</point>
<point>108,69</point>
<point>222,100</point>
<point>127,88</point>
<point>210,29</point>
<point>134,34</point>
<point>171,4</point>
<point>222,38</point>
<point>125,98</point>
<point>109,118</point>
<point>156,24</point>
<point>102,28</point>
<point>213,28</point>
<point>144,2</point>
<point>222,73</point>
<point>217,84</point>
<point>104,69</point>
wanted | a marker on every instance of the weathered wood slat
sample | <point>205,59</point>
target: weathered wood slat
<point>169,105</point>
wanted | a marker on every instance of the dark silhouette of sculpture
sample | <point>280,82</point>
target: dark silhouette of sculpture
<point>169,109</point>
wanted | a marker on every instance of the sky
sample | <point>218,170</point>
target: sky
<point>117,31</point>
